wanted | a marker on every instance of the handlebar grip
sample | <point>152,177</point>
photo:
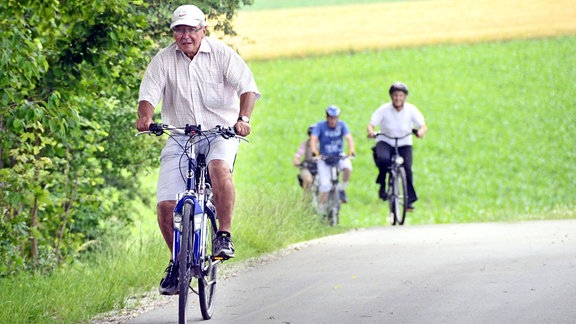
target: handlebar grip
<point>156,129</point>
<point>228,133</point>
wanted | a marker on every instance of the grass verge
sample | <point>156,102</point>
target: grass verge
<point>119,278</point>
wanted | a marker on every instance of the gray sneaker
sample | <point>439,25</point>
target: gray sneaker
<point>169,284</point>
<point>223,247</point>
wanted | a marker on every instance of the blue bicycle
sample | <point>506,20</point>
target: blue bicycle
<point>195,218</point>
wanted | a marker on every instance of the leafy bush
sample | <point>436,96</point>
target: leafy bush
<point>70,75</point>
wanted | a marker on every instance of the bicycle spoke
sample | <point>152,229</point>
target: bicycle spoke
<point>208,276</point>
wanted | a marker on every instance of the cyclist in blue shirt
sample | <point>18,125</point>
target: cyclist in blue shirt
<point>328,136</point>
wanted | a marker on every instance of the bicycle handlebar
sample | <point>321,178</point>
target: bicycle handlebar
<point>191,130</point>
<point>414,132</point>
<point>306,164</point>
<point>337,156</point>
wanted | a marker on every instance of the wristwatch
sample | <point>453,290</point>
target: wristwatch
<point>245,119</point>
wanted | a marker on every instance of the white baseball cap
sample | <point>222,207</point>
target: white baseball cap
<point>189,15</point>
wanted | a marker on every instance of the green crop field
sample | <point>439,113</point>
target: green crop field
<point>501,116</point>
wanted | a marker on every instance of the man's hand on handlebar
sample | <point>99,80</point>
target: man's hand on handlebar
<point>242,128</point>
<point>143,123</point>
<point>420,132</point>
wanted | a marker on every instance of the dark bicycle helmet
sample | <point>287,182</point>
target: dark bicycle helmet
<point>398,86</point>
<point>332,111</point>
<point>311,128</point>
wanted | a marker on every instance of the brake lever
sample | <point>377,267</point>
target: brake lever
<point>228,133</point>
<point>156,129</point>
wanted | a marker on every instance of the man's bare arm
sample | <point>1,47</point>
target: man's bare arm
<point>145,115</point>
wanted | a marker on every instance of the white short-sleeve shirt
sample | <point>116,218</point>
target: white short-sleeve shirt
<point>396,123</point>
<point>204,91</point>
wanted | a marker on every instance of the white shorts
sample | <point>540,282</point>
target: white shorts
<point>324,173</point>
<point>174,164</point>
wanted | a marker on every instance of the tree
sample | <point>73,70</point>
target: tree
<point>68,161</point>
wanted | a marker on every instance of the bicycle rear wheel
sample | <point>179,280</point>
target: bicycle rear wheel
<point>391,197</point>
<point>400,196</point>
<point>208,278</point>
<point>185,261</point>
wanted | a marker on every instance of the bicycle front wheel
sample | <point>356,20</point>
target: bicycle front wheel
<point>333,207</point>
<point>185,261</point>
<point>400,196</point>
<point>208,278</point>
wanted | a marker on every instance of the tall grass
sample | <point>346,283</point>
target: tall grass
<point>98,284</point>
<point>500,147</point>
<point>120,277</point>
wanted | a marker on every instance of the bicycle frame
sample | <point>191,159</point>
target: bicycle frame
<point>333,207</point>
<point>396,159</point>
<point>197,194</point>
<point>396,153</point>
<point>334,196</point>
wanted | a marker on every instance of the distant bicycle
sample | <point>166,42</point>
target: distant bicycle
<point>397,184</point>
<point>332,211</point>
<point>311,167</point>
<point>195,217</point>
<point>313,190</point>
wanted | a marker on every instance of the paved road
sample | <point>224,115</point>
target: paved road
<point>463,273</point>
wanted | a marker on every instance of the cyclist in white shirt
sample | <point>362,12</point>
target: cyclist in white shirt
<point>395,119</point>
<point>199,81</point>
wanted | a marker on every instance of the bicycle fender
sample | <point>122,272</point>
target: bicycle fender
<point>180,204</point>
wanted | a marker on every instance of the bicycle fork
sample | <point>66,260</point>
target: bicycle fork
<point>334,175</point>
<point>197,218</point>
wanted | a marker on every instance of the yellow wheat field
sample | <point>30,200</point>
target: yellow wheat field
<point>321,30</point>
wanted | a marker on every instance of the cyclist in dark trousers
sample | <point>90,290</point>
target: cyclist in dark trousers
<point>396,119</point>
